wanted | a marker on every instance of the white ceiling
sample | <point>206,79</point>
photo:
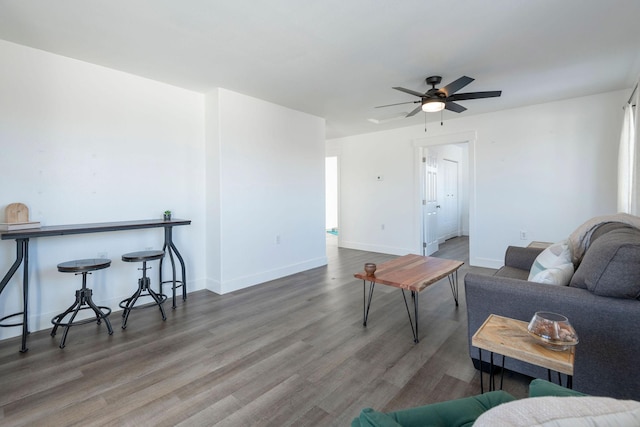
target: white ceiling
<point>338,59</point>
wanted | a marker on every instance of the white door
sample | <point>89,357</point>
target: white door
<point>449,216</point>
<point>430,203</point>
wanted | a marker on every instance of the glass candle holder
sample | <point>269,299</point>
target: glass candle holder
<point>552,330</point>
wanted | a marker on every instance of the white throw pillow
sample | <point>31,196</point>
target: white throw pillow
<point>587,411</point>
<point>559,275</point>
<point>557,257</point>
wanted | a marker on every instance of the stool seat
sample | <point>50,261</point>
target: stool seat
<point>142,256</point>
<point>82,265</point>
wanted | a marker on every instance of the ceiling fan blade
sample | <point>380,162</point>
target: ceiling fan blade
<point>399,103</point>
<point>414,112</point>
<point>452,106</point>
<point>409,91</point>
<point>456,85</point>
<point>474,95</point>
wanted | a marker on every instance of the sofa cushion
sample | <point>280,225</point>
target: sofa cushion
<point>512,273</point>
<point>553,265</point>
<point>563,412</point>
<point>611,265</point>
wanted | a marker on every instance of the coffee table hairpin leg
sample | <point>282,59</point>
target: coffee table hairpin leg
<point>453,283</point>
<point>366,304</point>
<point>414,297</point>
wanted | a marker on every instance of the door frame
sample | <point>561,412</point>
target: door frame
<point>469,137</point>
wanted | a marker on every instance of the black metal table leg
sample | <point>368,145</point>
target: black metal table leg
<point>170,248</point>
<point>25,296</point>
<point>22,256</point>
<point>367,304</point>
<point>492,379</point>
<point>453,283</point>
<point>414,295</point>
<point>414,330</point>
<point>481,373</point>
<point>502,372</point>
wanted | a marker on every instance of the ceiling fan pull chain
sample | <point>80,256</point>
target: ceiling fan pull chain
<point>425,122</point>
<point>441,118</point>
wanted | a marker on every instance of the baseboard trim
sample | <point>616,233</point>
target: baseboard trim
<point>486,262</point>
<point>243,282</point>
<point>376,248</point>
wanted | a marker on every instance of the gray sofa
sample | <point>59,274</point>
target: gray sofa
<point>601,303</point>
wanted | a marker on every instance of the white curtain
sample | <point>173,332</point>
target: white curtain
<point>629,159</point>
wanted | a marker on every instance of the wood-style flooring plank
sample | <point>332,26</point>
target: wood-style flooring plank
<point>291,351</point>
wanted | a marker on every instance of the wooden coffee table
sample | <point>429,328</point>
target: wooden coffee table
<point>510,338</point>
<point>413,273</point>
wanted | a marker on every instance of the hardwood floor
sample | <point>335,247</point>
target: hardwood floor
<point>288,352</point>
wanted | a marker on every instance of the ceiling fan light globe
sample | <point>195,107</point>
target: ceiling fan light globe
<point>432,106</point>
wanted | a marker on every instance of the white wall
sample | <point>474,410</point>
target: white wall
<point>544,169</point>
<point>80,144</point>
<point>269,187</point>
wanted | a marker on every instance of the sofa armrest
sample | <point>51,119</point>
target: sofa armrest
<point>539,388</point>
<point>521,258</point>
<point>458,412</point>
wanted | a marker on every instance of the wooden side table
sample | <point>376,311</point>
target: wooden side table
<point>510,338</point>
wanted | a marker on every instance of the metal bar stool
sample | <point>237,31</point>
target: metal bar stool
<point>144,285</point>
<point>84,299</point>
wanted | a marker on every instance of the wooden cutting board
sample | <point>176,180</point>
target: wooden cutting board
<point>16,212</point>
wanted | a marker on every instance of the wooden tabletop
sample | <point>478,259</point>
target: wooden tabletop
<point>510,338</point>
<point>412,272</point>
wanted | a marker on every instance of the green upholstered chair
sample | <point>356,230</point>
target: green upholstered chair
<point>453,413</point>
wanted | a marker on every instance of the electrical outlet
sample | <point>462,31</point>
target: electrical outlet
<point>277,239</point>
<point>523,235</point>
<point>382,227</point>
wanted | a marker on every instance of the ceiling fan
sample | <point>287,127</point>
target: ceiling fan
<point>444,98</point>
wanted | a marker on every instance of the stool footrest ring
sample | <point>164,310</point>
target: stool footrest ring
<point>124,302</point>
<point>9,325</point>
<point>106,311</point>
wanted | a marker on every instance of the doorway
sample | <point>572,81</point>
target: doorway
<point>450,219</point>
<point>331,195</point>
<point>450,214</point>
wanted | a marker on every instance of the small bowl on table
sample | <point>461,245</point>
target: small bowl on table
<point>552,330</point>
<point>369,268</point>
